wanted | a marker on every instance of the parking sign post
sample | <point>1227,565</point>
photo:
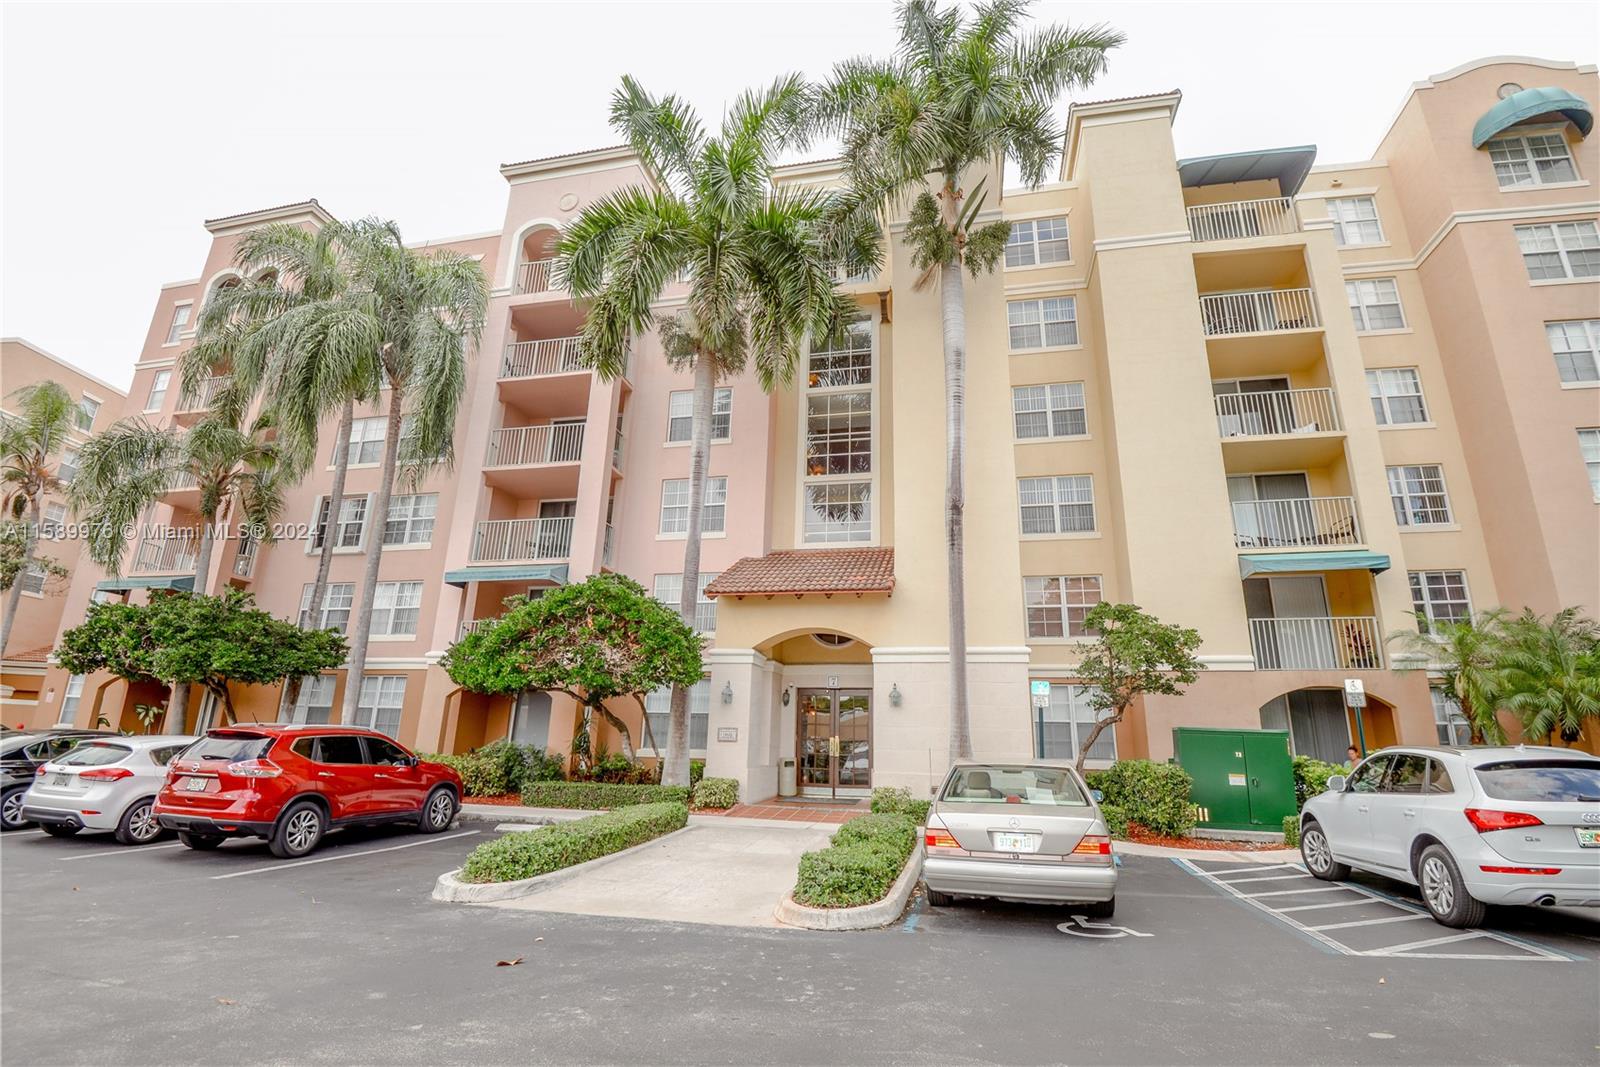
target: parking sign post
<point>1355,695</point>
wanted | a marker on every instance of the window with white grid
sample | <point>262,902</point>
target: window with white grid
<point>1576,346</point>
<point>1065,723</point>
<point>1536,159</point>
<point>839,433</point>
<point>1037,241</point>
<point>336,602</point>
<point>1057,505</point>
<point>395,607</point>
<point>67,468</point>
<point>1449,722</point>
<point>315,702</point>
<point>1375,304</point>
<point>1419,495</point>
<point>366,440</point>
<point>32,578</point>
<point>1047,323</point>
<point>52,525</point>
<point>1396,396</point>
<point>180,319</point>
<point>1056,410</point>
<point>70,699</point>
<point>351,527</point>
<point>1440,596</point>
<point>658,705</point>
<point>675,506</point>
<point>1355,220</point>
<point>383,697</point>
<point>1589,446</point>
<point>158,390</point>
<point>669,586</point>
<point>844,360</point>
<point>410,520</point>
<point>1560,250</point>
<point>83,415</point>
<point>1056,605</point>
<point>680,415</point>
<point>838,512</point>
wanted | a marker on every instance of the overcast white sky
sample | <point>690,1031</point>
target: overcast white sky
<point>127,124</point>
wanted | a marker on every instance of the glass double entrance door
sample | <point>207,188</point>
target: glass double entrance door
<point>835,740</point>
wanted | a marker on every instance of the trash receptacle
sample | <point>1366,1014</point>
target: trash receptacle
<point>787,786</point>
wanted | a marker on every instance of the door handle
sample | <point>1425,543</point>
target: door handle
<point>380,774</point>
<point>1410,813</point>
<point>1362,807</point>
<point>324,774</point>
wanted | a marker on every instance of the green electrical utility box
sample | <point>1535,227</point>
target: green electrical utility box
<point>1243,779</point>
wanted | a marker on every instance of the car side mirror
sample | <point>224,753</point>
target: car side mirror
<point>1099,795</point>
<point>1336,783</point>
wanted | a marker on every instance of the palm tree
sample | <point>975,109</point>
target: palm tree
<point>30,446</point>
<point>1468,654</point>
<point>960,92</point>
<point>1551,673</point>
<point>759,278</point>
<point>130,466</point>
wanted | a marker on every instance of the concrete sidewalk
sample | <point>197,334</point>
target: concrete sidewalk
<point>499,814</point>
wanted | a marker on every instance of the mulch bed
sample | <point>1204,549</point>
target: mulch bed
<point>1199,844</point>
<point>504,800</point>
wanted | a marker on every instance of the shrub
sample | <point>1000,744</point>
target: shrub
<point>599,794</point>
<point>860,865</point>
<point>897,800</point>
<point>715,793</point>
<point>1311,777</point>
<point>544,766</point>
<point>697,771</point>
<point>1155,795</point>
<point>1291,831</point>
<point>1116,820</point>
<point>525,854</point>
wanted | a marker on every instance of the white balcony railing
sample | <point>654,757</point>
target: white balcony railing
<point>1350,642</point>
<point>534,359</point>
<point>1295,523</point>
<point>473,625</point>
<point>608,550</point>
<point>843,275</point>
<point>1275,412</point>
<point>533,276</point>
<point>522,540</point>
<point>529,446</point>
<point>616,449</point>
<point>1243,218</point>
<point>244,562</point>
<point>204,395</point>
<point>171,553</point>
<point>1258,311</point>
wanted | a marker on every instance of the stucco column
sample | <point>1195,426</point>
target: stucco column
<point>746,722</point>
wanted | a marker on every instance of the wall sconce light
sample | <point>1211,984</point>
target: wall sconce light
<point>785,697</point>
<point>727,692</point>
<point>894,695</point>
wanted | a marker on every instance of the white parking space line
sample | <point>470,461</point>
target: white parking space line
<point>1334,904</point>
<point>1268,878</point>
<point>1249,869</point>
<point>1371,922</point>
<point>132,850</point>
<point>1283,892</point>
<point>1430,942</point>
<point>343,856</point>
<point>11,834</point>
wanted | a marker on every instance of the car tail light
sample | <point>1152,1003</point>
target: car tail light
<point>105,774</point>
<point>38,772</point>
<point>255,768</point>
<point>939,837</point>
<point>1520,870</point>
<point>1093,845</point>
<point>1485,819</point>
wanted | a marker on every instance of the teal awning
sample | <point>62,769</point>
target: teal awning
<point>1531,103</point>
<point>555,573</point>
<point>1288,165</point>
<point>1292,562</point>
<point>166,581</point>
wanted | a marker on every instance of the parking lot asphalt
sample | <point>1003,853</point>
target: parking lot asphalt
<point>163,955</point>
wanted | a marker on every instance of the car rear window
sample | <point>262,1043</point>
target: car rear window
<point>1550,780</point>
<point>163,755</point>
<point>95,754</point>
<point>229,747</point>
<point>1013,784</point>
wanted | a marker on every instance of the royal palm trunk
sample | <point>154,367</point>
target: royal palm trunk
<point>14,595</point>
<point>953,315</point>
<point>369,576</point>
<point>675,771</point>
<point>319,587</point>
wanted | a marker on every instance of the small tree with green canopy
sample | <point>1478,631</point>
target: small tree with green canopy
<point>1467,654</point>
<point>1550,673</point>
<point>31,441</point>
<point>595,640</point>
<point>1134,653</point>
<point>114,637</point>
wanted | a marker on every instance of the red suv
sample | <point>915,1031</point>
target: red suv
<point>291,784</point>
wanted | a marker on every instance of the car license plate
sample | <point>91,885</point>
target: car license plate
<point>60,778</point>
<point>1588,836</point>
<point>1016,842</point>
<point>194,785</point>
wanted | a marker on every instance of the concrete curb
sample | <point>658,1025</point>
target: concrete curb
<point>1275,855</point>
<point>451,889</point>
<point>499,813</point>
<point>867,916</point>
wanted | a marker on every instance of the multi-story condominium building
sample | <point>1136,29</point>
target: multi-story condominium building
<point>43,597</point>
<point>1287,404</point>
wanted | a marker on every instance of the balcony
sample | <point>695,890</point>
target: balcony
<point>535,462</point>
<point>534,276</point>
<point>1279,429</point>
<point>1345,642</point>
<point>540,359</point>
<point>1239,219</point>
<point>244,561</point>
<point>190,408</point>
<point>1259,311</point>
<point>522,540</point>
<point>469,626</point>
<point>167,553</point>
<point>1300,522</point>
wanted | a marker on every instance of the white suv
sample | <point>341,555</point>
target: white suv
<point>1468,826</point>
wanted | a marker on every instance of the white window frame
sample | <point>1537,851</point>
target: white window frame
<point>71,697</point>
<point>158,391</point>
<point>383,697</point>
<point>1510,152</point>
<point>53,522</point>
<point>413,513</point>
<point>1354,218</point>
<point>315,702</point>
<point>392,602</point>
<point>1025,248</point>
<point>366,435</point>
<point>1575,346</point>
<point>180,321</point>
<point>836,497</point>
<point>84,414</point>
<point>666,588</point>
<point>1560,239</point>
<point>1385,385</point>
<point>341,527</point>
<point>1589,449</point>
<point>1449,722</point>
<point>1425,603</point>
<point>842,365</point>
<point>715,503</point>
<point>1419,495</point>
<point>1069,595</point>
<point>1356,290</point>
<point>658,705</point>
<point>1031,314</point>
<point>680,416</point>
<point>841,507</point>
<point>30,580</point>
<point>1061,497</point>
<point>1057,402</point>
<point>1069,706</point>
<point>67,465</point>
<point>338,598</point>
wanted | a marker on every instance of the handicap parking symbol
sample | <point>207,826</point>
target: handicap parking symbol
<point>1082,927</point>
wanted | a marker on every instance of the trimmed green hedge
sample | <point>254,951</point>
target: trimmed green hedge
<point>1116,820</point>
<point>860,865</point>
<point>897,800</point>
<point>1154,795</point>
<point>597,795</point>
<point>714,793</point>
<point>1291,831</point>
<point>526,854</point>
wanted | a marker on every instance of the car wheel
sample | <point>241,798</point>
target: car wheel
<point>298,831</point>
<point>138,824</point>
<point>11,810</point>
<point>199,842</point>
<point>438,811</point>
<point>1318,855</point>
<point>59,829</point>
<point>1444,892</point>
<point>937,899</point>
<point>1099,909</point>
